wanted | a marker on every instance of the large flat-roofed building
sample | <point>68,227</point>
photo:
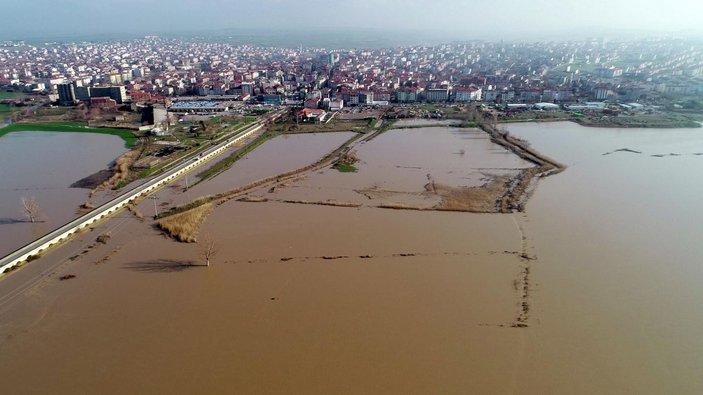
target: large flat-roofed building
<point>336,104</point>
<point>82,93</point>
<point>588,106</point>
<point>199,107</point>
<point>546,106</point>
<point>272,99</point>
<point>116,93</point>
<point>247,88</point>
<point>311,114</point>
<point>406,95</point>
<point>366,97</point>
<point>436,94</point>
<point>467,94</point>
<point>67,94</point>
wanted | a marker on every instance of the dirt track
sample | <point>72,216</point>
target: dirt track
<point>522,186</point>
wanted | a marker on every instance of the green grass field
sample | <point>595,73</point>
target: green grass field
<point>10,95</point>
<point>76,127</point>
<point>6,109</point>
<point>345,167</point>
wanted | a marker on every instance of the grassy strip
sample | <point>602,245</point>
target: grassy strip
<point>463,125</point>
<point>345,167</point>
<point>336,125</point>
<point>10,95</point>
<point>78,127</point>
<point>189,206</point>
<point>388,125</point>
<point>227,162</point>
<point>6,109</point>
<point>525,120</point>
<point>644,121</point>
<point>184,226</point>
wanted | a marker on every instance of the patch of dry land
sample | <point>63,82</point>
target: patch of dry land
<point>339,295</point>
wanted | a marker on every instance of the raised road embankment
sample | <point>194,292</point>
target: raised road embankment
<point>38,247</point>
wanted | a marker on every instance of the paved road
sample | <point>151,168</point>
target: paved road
<point>64,232</point>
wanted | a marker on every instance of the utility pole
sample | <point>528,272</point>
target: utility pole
<point>186,181</point>
<point>156,212</point>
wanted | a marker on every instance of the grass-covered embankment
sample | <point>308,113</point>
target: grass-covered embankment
<point>77,127</point>
<point>660,121</point>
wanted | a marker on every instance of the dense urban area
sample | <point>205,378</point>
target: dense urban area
<point>163,79</point>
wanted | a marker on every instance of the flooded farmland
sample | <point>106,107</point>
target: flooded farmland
<point>276,156</point>
<point>594,286</point>
<point>43,165</point>
<point>400,166</point>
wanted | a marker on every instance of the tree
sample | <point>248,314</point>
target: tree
<point>208,249</point>
<point>474,115</point>
<point>30,208</point>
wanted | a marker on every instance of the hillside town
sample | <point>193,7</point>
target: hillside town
<point>217,78</point>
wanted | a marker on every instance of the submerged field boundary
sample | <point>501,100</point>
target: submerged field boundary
<point>518,191</point>
<point>326,161</point>
<point>523,185</point>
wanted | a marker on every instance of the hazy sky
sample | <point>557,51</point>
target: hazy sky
<point>472,18</point>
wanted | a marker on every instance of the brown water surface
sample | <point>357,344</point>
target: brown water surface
<point>396,166</point>
<point>276,156</point>
<point>312,299</point>
<point>44,165</point>
<point>618,240</point>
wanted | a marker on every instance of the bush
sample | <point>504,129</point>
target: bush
<point>184,226</point>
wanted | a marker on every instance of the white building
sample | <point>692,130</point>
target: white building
<point>467,94</point>
<point>336,104</point>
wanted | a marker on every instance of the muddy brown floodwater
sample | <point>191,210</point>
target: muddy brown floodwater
<point>43,165</point>
<point>592,290</point>
<point>402,167</point>
<point>276,156</point>
<point>618,240</point>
